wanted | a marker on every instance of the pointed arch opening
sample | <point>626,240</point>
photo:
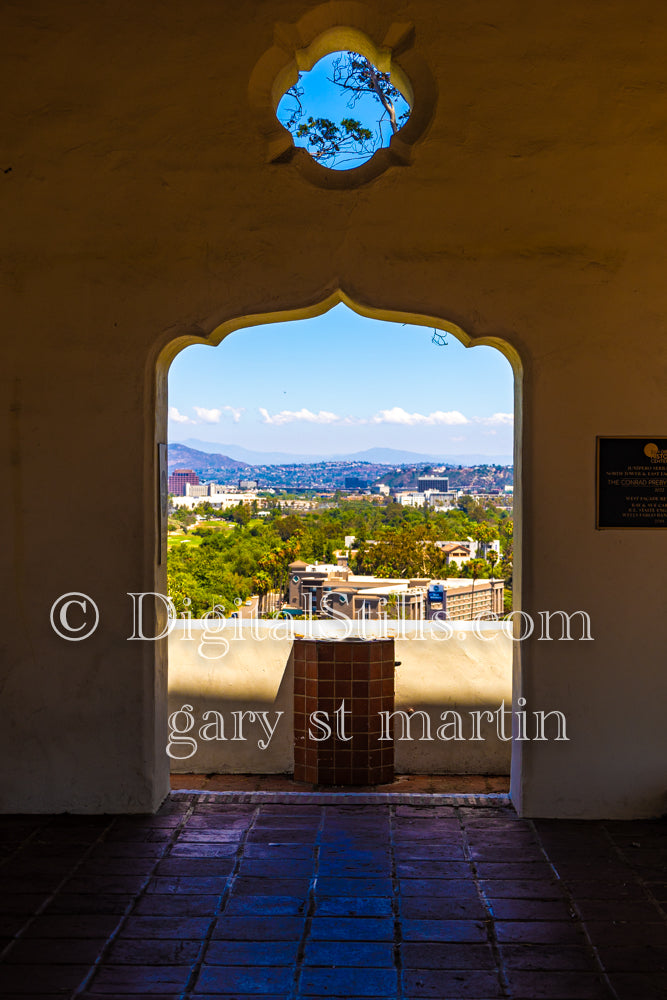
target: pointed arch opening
<point>241,654</point>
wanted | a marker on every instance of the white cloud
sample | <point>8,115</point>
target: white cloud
<point>397,415</point>
<point>235,412</point>
<point>290,416</point>
<point>213,416</point>
<point>179,418</point>
<point>208,416</point>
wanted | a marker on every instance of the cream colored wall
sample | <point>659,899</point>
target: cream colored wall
<point>251,674</point>
<point>140,211</point>
<point>248,667</point>
<point>463,673</point>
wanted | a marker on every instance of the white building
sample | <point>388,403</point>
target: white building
<point>206,489</point>
<point>219,500</point>
<point>410,498</point>
<point>422,498</point>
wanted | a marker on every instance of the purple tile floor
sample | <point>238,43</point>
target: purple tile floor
<point>292,897</point>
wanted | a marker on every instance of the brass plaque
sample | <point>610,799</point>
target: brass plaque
<point>631,482</point>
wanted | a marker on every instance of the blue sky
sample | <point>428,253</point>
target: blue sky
<point>323,99</point>
<point>342,383</point>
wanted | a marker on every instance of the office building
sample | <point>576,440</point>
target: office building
<point>438,483</point>
<point>179,479</point>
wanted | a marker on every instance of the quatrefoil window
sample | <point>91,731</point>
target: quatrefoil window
<point>343,110</point>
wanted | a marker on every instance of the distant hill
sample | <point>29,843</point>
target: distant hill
<point>481,476</point>
<point>392,456</point>
<point>251,457</point>
<point>377,456</point>
<point>180,456</point>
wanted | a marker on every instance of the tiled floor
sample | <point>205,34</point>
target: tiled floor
<point>219,897</point>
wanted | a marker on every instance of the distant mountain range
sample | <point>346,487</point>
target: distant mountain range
<point>233,456</point>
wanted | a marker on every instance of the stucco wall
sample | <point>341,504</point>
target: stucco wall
<point>437,672</point>
<point>141,211</point>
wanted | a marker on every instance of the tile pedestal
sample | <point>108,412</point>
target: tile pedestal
<point>348,682</point>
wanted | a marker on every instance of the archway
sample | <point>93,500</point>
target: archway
<point>224,329</point>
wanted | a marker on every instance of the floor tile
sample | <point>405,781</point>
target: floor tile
<point>446,955</point>
<point>443,930</point>
<point>28,980</point>
<point>251,953</point>
<point>372,954</point>
<point>247,905</point>
<point>538,957</point>
<point>353,906</point>
<point>242,979</point>
<point>352,929</point>
<point>556,986</point>
<point>55,951</point>
<point>144,980</point>
<point>538,932</point>
<point>258,928</point>
<point>442,908</point>
<point>152,951</point>
<point>349,982</point>
<point>458,985</point>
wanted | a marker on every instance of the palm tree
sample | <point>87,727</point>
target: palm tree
<point>261,582</point>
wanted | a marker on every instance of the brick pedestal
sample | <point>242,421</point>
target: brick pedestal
<point>328,673</point>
